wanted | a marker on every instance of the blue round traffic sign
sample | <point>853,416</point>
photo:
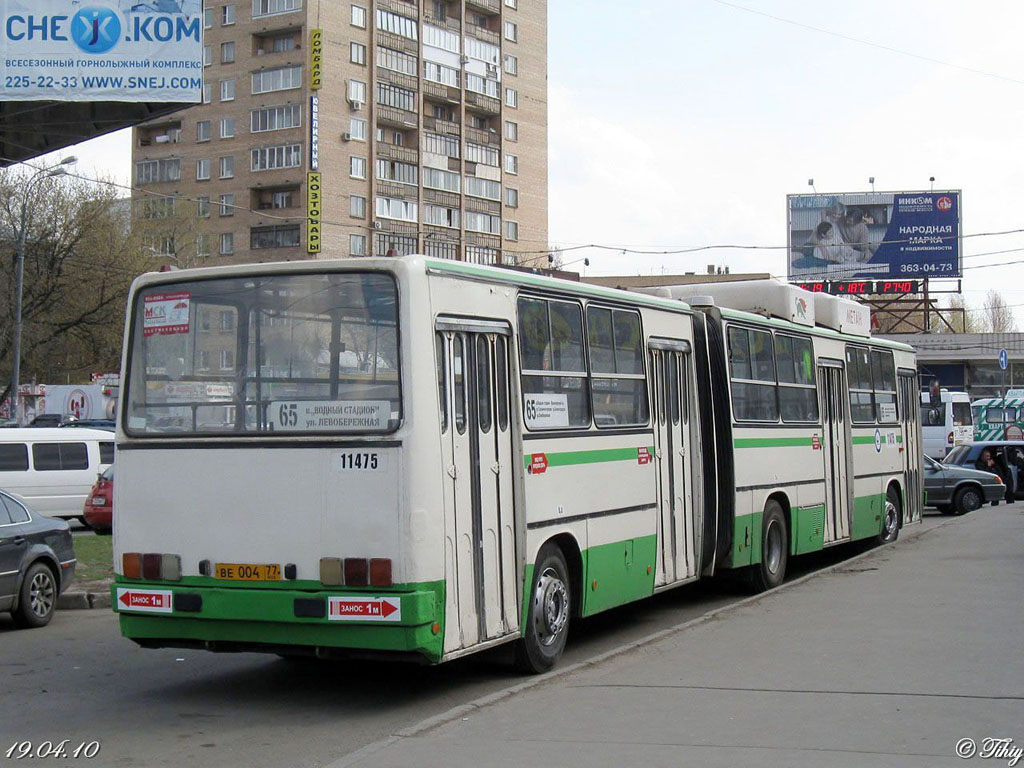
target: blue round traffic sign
<point>1004,359</point>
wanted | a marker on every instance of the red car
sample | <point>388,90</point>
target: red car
<point>99,507</point>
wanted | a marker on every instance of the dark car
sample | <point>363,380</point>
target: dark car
<point>99,506</point>
<point>1008,456</point>
<point>46,420</point>
<point>37,562</point>
<point>959,489</point>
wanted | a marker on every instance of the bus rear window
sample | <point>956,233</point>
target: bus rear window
<point>307,353</point>
<point>962,416</point>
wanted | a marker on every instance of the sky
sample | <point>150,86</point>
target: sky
<point>685,123</point>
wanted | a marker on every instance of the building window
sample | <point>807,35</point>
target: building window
<point>397,61</point>
<point>207,55</point>
<point>357,245</point>
<point>275,118</point>
<point>285,199</point>
<point>479,153</point>
<point>484,85</point>
<point>279,156</point>
<point>440,249</point>
<point>227,52</point>
<point>227,359</point>
<point>207,93</point>
<point>227,167</point>
<point>482,222</point>
<point>203,207</point>
<point>512,197</point>
<point>444,180</point>
<point>511,98</point>
<point>357,167</point>
<point>357,206</point>
<point>480,254</point>
<point>203,130</point>
<point>394,245</point>
<point>439,144</point>
<point>441,216</point>
<point>358,16</point>
<point>227,15</point>
<point>280,79</point>
<point>481,51</point>
<point>357,92</point>
<point>203,169</point>
<point>393,208</point>
<point>276,236</point>
<point>227,320</point>
<point>227,205</point>
<point>207,18</point>
<point>439,73</point>
<point>511,163</point>
<point>440,38</point>
<point>485,188</point>
<point>511,130</point>
<point>227,127</point>
<point>400,173</point>
<point>402,26</point>
<point>511,230</point>
<point>203,245</point>
<point>511,31</point>
<point>357,129</point>
<point>277,44</point>
<point>271,7</point>
<point>155,208</point>
<point>512,3</point>
<point>393,96</point>
<point>227,90</point>
<point>153,171</point>
<point>511,64</point>
<point>227,243</point>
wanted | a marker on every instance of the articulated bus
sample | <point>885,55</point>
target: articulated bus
<point>425,458</point>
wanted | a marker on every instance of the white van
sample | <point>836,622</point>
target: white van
<point>53,469</point>
<point>945,423</point>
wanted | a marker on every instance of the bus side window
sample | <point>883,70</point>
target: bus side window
<point>459,383</point>
<point>501,379</point>
<point>483,383</point>
<point>442,380</point>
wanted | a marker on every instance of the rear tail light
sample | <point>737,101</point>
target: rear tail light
<point>131,565</point>
<point>356,572</point>
<point>380,572</point>
<point>151,562</point>
<point>949,438</point>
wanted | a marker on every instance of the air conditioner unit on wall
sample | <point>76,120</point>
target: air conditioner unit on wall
<point>346,136</point>
<point>377,224</point>
<point>355,103</point>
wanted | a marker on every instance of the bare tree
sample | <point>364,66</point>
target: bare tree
<point>997,317</point>
<point>171,230</point>
<point>79,261</point>
<point>961,316</point>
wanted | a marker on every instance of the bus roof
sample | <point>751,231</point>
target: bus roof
<point>736,314</point>
<point>1016,401</point>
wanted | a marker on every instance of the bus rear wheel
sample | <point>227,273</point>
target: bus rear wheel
<point>891,524</point>
<point>771,571</point>
<point>551,605</point>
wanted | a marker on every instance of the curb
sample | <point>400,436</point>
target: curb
<point>73,600</point>
<point>462,710</point>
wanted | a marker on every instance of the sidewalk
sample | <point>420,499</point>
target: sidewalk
<point>85,594</point>
<point>887,661</point>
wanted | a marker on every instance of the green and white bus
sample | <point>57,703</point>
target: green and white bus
<point>427,458</point>
<point>999,418</point>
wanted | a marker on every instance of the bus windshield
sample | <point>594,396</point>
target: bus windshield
<point>962,415</point>
<point>299,353</point>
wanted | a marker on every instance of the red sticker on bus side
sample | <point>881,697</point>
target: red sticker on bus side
<point>538,463</point>
<point>643,456</point>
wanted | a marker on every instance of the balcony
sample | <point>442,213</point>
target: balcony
<point>479,205</point>
<point>441,92</point>
<point>396,118</point>
<point>395,226</point>
<point>444,127</point>
<point>481,103</point>
<point>487,241</point>
<point>404,7</point>
<point>489,138</point>
<point>481,33</point>
<point>157,135</point>
<point>399,43</point>
<point>440,197</point>
<point>398,78</point>
<point>387,188</point>
<point>487,6</point>
<point>402,154</point>
<point>451,23</point>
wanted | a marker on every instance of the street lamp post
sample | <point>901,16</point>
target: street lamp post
<point>19,276</point>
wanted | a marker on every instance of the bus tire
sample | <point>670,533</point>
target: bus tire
<point>551,606</point>
<point>771,571</point>
<point>891,520</point>
<point>967,499</point>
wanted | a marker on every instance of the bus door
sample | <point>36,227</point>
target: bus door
<point>912,447</point>
<point>677,532</point>
<point>480,562</point>
<point>836,451</point>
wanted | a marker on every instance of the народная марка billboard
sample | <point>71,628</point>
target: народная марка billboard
<point>874,234</point>
<point>101,50</point>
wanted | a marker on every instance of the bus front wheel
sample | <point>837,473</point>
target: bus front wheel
<point>547,622</point>
<point>771,571</point>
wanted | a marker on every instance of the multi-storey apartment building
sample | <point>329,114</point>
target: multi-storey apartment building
<point>357,127</point>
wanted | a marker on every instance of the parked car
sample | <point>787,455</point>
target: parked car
<point>958,489</point>
<point>99,507</point>
<point>91,423</point>
<point>37,562</point>
<point>54,469</point>
<point>46,420</point>
<point>1007,454</point>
